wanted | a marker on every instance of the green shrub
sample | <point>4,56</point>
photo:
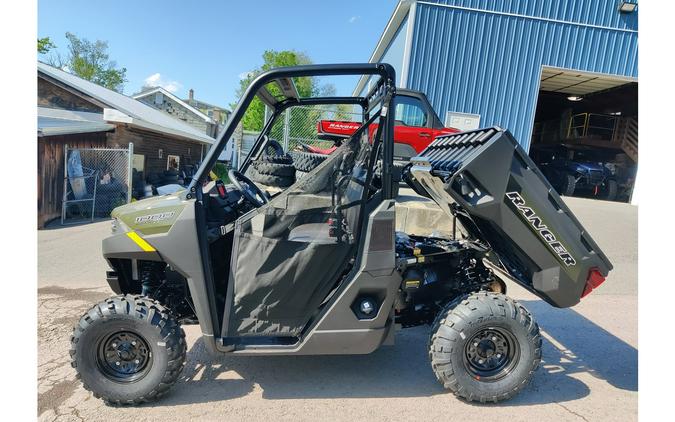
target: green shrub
<point>221,170</point>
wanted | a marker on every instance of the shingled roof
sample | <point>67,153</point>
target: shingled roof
<point>120,108</point>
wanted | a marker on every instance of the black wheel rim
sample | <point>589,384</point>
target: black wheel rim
<point>124,356</point>
<point>491,354</point>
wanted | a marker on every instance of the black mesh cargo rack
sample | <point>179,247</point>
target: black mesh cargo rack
<point>486,180</point>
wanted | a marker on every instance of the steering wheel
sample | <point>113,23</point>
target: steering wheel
<point>247,188</point>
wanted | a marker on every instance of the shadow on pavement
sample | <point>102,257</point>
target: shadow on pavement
<point>572,345</point>
<point>582,346</point>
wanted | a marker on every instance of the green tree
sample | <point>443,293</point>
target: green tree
<point>44,45</point>
<point>255,114</point>
<point>90,61</point>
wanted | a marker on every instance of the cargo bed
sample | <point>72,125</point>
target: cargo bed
<point>486,180</point>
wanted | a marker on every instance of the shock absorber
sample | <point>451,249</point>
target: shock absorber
<point>471,276</point>
<point>151,276</point>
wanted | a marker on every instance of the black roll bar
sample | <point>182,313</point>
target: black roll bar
<point>385,70</point>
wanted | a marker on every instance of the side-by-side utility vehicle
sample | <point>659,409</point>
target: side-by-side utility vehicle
<point>318,268</point>
<point>416,124</point>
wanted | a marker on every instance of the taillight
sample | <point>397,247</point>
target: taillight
<point>595,278</point>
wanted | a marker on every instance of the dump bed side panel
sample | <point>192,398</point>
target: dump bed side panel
<point>502,198</point>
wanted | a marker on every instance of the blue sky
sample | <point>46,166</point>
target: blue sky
<point>207,45</point>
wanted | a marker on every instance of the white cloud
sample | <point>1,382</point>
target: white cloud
<point>354,19</point>
<point>156,79</point>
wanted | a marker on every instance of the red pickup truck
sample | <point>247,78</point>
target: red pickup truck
<point>416,125</point>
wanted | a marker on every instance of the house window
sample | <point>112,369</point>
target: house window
<point>172,162</point>
<point>159,98</point>
<point>138,162</point>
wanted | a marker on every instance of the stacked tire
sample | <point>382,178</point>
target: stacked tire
<point>273,170</point>
<point>305,162</point>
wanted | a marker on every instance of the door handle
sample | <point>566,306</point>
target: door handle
<point>425,134</point>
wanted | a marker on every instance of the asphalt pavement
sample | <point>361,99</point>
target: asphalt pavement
<point>589,370</point>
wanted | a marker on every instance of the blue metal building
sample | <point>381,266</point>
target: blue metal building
<point>490,58</point>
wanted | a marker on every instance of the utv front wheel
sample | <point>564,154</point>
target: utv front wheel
<point>485,347</point>
<point>128,350</point>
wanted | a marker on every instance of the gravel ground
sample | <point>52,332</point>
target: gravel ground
<point>589,369</point>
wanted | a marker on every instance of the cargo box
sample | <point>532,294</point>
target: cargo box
<point>487,181</point>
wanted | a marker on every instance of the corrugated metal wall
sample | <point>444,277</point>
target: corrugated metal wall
<point>489,63</point>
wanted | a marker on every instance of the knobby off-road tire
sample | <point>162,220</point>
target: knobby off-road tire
<point>143,333</point>
<point>466,331</point>
<point>274,169</point>
<point>268,179</point>
<point>273,148</point>
<point>610,190</point>
<point>568,186</point>
<point>276,159</point>
<point>306,161</point>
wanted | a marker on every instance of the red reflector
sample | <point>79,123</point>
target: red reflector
<point>220,188</point>
<point>595,278</point>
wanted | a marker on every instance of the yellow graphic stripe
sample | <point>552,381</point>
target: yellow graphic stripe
<point>140,242</point>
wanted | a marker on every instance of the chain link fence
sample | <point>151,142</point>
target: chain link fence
<point>299,125</point>
<point>96,181</point>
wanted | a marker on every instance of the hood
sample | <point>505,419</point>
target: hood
<point>152,215</point>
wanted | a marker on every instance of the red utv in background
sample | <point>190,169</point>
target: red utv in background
<point>416,125</point>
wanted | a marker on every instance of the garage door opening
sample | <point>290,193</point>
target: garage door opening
<point>585,134</point>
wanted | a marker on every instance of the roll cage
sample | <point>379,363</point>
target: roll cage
<point>288,97</point>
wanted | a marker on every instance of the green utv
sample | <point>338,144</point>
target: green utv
<point>318,268</point>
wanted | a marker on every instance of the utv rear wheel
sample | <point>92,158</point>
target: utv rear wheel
<point>485,347</point>
<point>128,350</point>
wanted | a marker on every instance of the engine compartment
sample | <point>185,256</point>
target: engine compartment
<point>434,272</point>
